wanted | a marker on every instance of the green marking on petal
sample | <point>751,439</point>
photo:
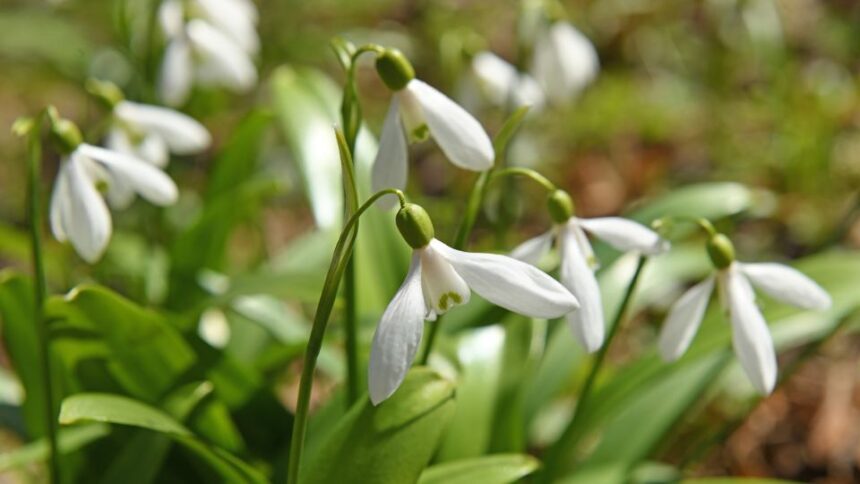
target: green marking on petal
<point>421,133</point>
<point>445,302</point>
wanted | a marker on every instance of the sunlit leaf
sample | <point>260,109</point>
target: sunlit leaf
<point>492,469</point>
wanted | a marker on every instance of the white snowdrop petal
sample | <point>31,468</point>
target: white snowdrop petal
<point>577,275</point>
<point>496,77</point>
<point>509,283</point>
<point>625,235</point>
<point>154,150</point>
<point>392,159</point>
<point>59,199</point>
<point>442,287</point>
<point>170,17</point>
<point>233,19</point>
<point>533,249</point>
<point>750,335</point>
<point>565,62</point>
<point>147,180</point>
<point>459,135</point>
<point>223,59</point>
<point>787,285</point>
<point>397,336</point>
<point>182,133</point>
<point>175,78</point>
<point>86,219</point>
<point>684,319</point>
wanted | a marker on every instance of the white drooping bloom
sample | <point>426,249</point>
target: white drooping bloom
<point>564,63</point>
<point>417,110</point>
<point>440,278</point>
<point>750,336</point>
<point>78,212</point>
<point>578,264</point>
<point>503,85</point>
<point>210,43</point>
<point>151,133</point>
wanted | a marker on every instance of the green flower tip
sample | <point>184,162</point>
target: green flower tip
<point>560,206</point>
<point>415,225</point>
<point>721,251</point>
<point>105,91</point>
<point>395,69</point>
<point>64,132</point>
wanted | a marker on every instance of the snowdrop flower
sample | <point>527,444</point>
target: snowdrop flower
<point>502,84</point>
<point>440,278</point>
<point>578,262</point>
<point>151,133</point>
<point>565,62</point>
<point>750,336</point>
<point>198,51</point>
<point>418,110</point>
<point>147,132</point>
<point>78,212</point>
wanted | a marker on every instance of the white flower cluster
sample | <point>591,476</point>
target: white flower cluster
<point>209,43</point>
<point>564,62</point>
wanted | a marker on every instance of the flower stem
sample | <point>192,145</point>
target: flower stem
<point>40,294</point>
<point>431,338</point>
<point>570,437</point>
<point>526,172</point>
<point>473,205</point>
<point>340,257</point>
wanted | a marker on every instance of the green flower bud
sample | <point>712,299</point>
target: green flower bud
<point>64,132</point>
<point>721,251</point>
<point>106,91</point>
<point>560,206</point>
<point>394,69</point>
<point>415,225</point>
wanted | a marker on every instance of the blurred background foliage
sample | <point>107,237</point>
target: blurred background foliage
<point>760,92</point>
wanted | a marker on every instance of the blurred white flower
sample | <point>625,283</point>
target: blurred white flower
<point>151,133</point>
<point>503,85</point>
<point>578,264</point>
<point>213,48</point>
<point>418,110</point>
<point>564,63</point>
<point>440,278</point>
<point>750,336</point>
<point>78,212</point>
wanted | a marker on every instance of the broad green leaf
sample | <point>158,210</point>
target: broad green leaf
<point>22,344</point>
<point>307,128</point>
<point>388,443</point>
<point>491,469</point>
<point>69,440</point>
<point>142,455</point>
<point>479,354</point>
<point>118,410</point>
<point>708,200</point>
<point>115,409</point>
<point>146,354</point>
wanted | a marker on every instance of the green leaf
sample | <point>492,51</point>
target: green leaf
<point>493,469</point>
<point>506,133</point>
<point>480,354</point>
<point>388,443</point>
<point>343,50</point>
<point>146,354</point>
<point>239,159</point>
<point>69,440</point>
<point>118,410</point>
<point>712,201</point>
<point>306,123</point>
<point>115,409</point>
